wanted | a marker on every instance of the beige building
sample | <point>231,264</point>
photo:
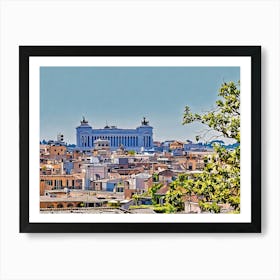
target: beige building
<point>58,182</point>
<point>57,152</point>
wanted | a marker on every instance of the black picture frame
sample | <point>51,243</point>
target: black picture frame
<point>254,52</point>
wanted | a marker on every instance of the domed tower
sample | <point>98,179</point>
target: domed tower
<point>84,135</point>
<point>145,135</point>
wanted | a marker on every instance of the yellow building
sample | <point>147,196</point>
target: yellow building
<point>176,145</point>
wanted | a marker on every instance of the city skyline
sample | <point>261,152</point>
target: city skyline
<point>122,96</point>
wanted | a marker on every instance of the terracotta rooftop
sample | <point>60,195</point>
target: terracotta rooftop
<point>163,190</point>
<point>193,198</point>
<point>71,199</point>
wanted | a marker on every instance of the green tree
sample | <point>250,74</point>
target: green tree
<point>131,152</point>
<point>174,200</point>
<point>136,197</point>
<point>155,177</point>
<point>225,118</point>
<point>152,192</point>
<point>220,180</point>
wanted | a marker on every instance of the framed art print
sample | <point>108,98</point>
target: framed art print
<point>140,138</point>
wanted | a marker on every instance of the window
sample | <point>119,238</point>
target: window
<point>49,182</point>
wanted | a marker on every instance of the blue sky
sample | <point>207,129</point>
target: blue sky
<point>122,96</point>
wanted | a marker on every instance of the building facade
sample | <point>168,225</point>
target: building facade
<point>131,139</point>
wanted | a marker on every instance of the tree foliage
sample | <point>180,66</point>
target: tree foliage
<point>173,199</point>
<point>225,118</point>
<point>220,180</point>
<point>152,192</point>
<point>155,177</point>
